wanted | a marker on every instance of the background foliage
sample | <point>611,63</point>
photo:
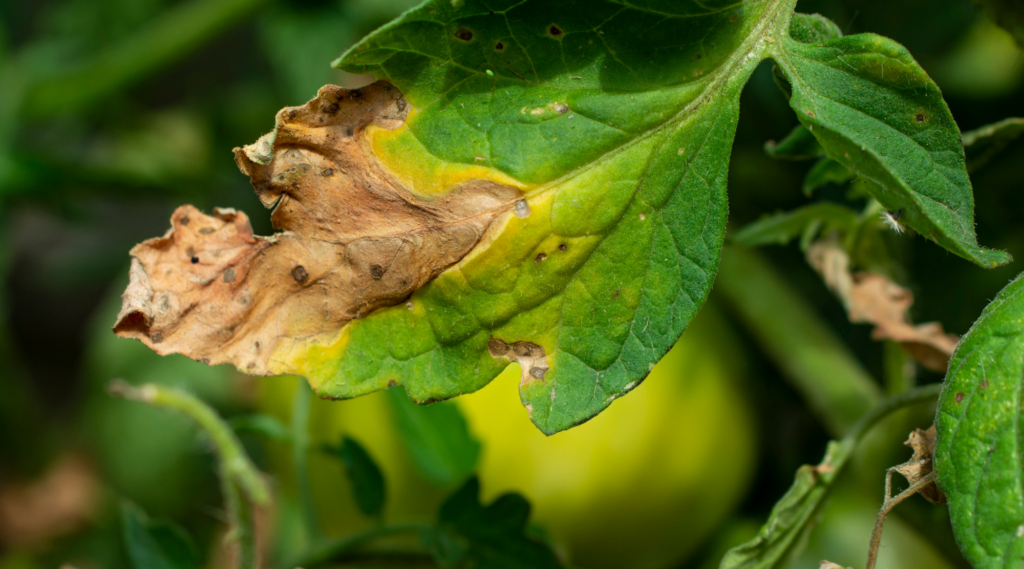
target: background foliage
<point>112,112</point>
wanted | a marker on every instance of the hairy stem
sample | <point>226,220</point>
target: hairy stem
<point>807,352</point>
<point>176,32</point>
<point>887,506</point>
<point>243,485</point>
<point>301,404</point>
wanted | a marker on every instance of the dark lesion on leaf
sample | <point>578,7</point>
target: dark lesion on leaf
<point>531,357</point>
<point>464,34</point>
<point>555,31</point>
<point>351,238</point>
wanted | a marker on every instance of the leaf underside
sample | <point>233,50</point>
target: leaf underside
<point>526,183</point>
<point>979,448</point>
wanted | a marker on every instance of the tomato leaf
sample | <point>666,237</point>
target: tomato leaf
<point>524,184</point>
<point>793,517</point>
<point>799,144</point>
<point>470,534</point>
<point>156,544</point>
<point>984,143</point>
<point>826,171</point>
<point>781,228</point>
<point>978,451</point>
<point>437,437</point>
<point>367,480</point>
<point>875,111</point>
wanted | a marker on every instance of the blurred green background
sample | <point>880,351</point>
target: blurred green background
<point>114,112</point>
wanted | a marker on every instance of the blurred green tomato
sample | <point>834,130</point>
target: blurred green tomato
<point>641,485</point>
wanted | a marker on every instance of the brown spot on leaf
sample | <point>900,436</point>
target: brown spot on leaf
<point>920,117</point>
<point>335,228</point>
<point>376,272</point>
<point>562,247</point>
<point>555,31</point>
<point>811,114</point>
<point>206,230</point>
<point>959,396</point>
<point>184,220</point>
<point>229,275</point>
<point>464,34</point>
<point>540,257</point>
<point>531,358</point>
<point>499,46</point>
<point>984,383</point>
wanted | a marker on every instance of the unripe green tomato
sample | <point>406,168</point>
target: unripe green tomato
<point>641,485</point>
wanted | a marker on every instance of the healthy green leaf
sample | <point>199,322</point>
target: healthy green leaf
<point>1009,14</point>
<point>156,544</point>
<point>781,228</point>
<point>793,517</point>
<point>826,171</point>
<point>367,480</point>
<point>875,111</point>
<point>982,144</point>
<point>470,534</point>
<point>799,144</point>
<point>979,450</point>
<point>437,437</point>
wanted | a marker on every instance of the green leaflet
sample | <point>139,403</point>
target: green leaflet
<point>469,534</point>
<point>793,517</point>
<point>799,144</point>
<point>875,111</point>
<point>978,450</point>
<point>781,228</point>
<point>156,544</point>
<point>982,144</point>
<point>625,155</point>
<point>368,489</point>
<point>826,171</point>
<point>437,437</point>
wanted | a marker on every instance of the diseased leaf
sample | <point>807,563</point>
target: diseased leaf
<point>529,185</point>
<point>826,171</point>
<point>469,534</point>
<point>437,437</point>
<point>922,441</point>
<point>781,228</point>
<point>156,544</point>
<point>793,517</point>
<point>978,450</point>
<point>799,144</point>
<point>367,480</point>
<point>1009,14</point>
<point>982,144</point>
<point>875,111</point>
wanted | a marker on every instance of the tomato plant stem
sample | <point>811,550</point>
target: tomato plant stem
<point>300,448</point>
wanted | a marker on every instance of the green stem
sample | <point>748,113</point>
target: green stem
<point>242,484</point>
<point>178,31</point>
<point>807,352</point>
<point>882,410</point>
<point>300,449</point>
<point>335,550</point>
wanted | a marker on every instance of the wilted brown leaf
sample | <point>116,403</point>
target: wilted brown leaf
<point>829,565</point>
<point>63,499</point>
<point>874,299</point>
<point>353,238</point>
<point>920,464</point>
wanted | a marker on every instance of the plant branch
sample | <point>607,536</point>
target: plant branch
<point>807,352</point>
<point>337,549</point>
<point>243,485</point>
<point>301,405</point>
<point>887,506</point>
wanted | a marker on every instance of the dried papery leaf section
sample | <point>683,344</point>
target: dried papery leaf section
<point>352,239</point>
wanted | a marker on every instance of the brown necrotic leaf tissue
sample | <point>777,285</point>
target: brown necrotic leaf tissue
<point>351,239</point>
